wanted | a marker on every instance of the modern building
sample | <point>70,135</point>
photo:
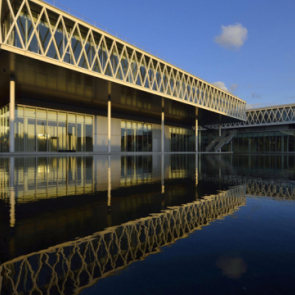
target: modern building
<point>266,130</point>
<point>66,85</point>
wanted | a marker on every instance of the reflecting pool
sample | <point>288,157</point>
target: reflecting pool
<point>154,224</point>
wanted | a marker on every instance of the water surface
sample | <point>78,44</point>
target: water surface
<point>154,224</point>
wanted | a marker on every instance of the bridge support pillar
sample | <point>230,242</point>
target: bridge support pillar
<point>109,123</point>
<point>11,114</point>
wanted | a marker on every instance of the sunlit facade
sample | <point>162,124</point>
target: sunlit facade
<point>68,86</point>
<point>267,130</point>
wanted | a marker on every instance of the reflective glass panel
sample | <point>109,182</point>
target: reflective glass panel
<point>19,129</point>
<point>89,134</point>
<point>72,134</point>
<point>52,131</point>
<point>41,130</point>
<point>30,129</point>
<point>62,135</point>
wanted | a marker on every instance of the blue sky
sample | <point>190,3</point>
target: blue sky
<point>254,57</point>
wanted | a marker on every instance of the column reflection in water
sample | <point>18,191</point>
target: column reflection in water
<point>131,240</point>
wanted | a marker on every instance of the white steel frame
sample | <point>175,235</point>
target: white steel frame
<point>268,116</point>
<point>105,56</point>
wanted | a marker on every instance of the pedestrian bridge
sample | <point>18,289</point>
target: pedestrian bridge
<point>34,35</point>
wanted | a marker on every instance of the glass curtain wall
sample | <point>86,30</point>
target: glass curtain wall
<point>44,130</point>
<point>182,140</point>
<point>136,137</point>
<point>260,142</point>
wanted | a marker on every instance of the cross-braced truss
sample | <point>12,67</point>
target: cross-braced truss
<point>37,29</point>
<point>273,188</point>
<point>275,115</point>
<point>72,266</point>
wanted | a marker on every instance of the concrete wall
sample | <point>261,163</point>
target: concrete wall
<point>157,138</point>
<point>101,134</point>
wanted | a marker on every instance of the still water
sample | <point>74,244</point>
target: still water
<point>156,224</point>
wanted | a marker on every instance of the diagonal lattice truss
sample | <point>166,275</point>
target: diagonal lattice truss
<point>275,115</point>
<point>274,188</point>
<point>35,28</point>
<point>72,266</point>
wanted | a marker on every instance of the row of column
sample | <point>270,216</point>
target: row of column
<point>12,119</point>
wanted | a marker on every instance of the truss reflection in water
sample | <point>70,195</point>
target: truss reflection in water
<point>72,266</point>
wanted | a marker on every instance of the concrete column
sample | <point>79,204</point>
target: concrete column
<point>11,192</point>
<point>219,130</point>
<point>11,114</point>
<point>109,124</point>
<point>162,128</point>
<point>197,136</point>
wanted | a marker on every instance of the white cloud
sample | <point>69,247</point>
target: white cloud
<point>232,36</point>
<point>220,85</point>
<point>233,87</point>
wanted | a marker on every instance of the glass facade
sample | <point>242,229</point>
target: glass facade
<point>260,142</point>
<point>136,137</point>
<point>182,140</point>
<point>4,129</point>
<point>41,130</point>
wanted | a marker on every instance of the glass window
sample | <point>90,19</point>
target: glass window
<point>72,134</point>
<point>123,136</point>
<point>41,130</point>
<point>139,137</point>
<point>62,138</point>
<point>30,130</point>
<point>89,133</point>
<point>145,138</point>
<point>136,136</point>
<point>80,133</point>
<point>150,138</point>
<point>52,131</point>
<point>19,129</point>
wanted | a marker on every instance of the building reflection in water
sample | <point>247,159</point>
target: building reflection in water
<point>134,205</point>
<point>75,265</point>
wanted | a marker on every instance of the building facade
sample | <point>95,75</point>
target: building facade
<point>67,85</point>
<point>267,130</point>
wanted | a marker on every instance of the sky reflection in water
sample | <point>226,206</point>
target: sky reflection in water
<point>147,225</point>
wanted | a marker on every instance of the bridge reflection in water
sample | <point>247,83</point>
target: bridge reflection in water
<point>72,266</point>
<point>134,204</point>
